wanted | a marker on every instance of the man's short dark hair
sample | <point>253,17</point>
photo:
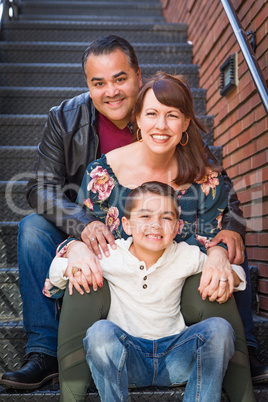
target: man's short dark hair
<point>108,44</point>
<point>154,187</point>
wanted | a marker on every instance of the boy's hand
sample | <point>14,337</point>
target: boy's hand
<point>83,269</point>
<point>95,235</point>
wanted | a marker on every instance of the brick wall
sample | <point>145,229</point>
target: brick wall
<point>240,125</point>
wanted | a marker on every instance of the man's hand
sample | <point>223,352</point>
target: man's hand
<point>97,234</point>
<point>83,269</point>
<point>216,268</point>
<point>235,245</point>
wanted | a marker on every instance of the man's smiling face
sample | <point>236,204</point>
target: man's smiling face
<point>113,85</point>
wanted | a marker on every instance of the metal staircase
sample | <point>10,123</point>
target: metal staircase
<point>40,66</point>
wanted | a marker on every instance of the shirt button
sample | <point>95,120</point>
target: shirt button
<point>145,278</point>
<point>142,267</point>
<point>144,286</point>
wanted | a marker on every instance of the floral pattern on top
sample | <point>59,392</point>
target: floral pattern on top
<point>112,220</point>
<point>101,183</point>
<point>210,181</point>
<point>201,204</point>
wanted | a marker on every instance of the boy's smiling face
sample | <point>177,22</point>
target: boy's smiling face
<point>153,224</point>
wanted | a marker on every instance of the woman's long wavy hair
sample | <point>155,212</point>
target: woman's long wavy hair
<point>174,91</point>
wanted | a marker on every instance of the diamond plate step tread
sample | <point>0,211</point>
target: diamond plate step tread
<point>58,52</point>
<point>8,243</point>
<point>21,160</point>
<point>21,100</point>
<point>21,130</point>
<point>85,1</point>
<point>77,31</point>
<point>91,7</point>
<point>18,162</point>
<point>151,19</point>
<point>10,299</point>
<point>70,75</point>
<point>13,201</point>
<point>26,130</point>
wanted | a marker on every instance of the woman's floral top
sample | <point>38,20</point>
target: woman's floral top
<point>201,205</point>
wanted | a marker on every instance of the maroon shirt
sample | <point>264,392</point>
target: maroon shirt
<point>111,137</point>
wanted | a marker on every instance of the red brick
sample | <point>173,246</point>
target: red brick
<point>258,209</point>
<point>263,270</point>
<point>259,159</point>
<point>257,224</point>
<point>252,239</point>
<point>259,20</point>
<point>253,193</point>
<point>263,303</point>
<point>263,286</point>
<point>260,112</point>
<point>257,8</point>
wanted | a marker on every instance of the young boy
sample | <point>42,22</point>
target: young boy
<point>144,341</point>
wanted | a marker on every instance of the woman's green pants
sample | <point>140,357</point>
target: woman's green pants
<point>79,312</point>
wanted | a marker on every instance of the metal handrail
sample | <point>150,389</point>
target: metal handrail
<point>248,54</point>
<point>9,9</point>
<point>3,8</point>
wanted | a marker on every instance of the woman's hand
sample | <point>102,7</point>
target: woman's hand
<point>83,269</point>
<point>216,268</point>
<point>97,234</point>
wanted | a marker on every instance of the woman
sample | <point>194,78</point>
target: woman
<point>169,149</point>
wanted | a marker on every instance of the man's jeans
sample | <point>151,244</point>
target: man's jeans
<point>199,355</point>
<point>37,243</point>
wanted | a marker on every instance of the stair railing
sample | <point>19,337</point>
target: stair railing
<point>247,51</point>
<point>9,9</point>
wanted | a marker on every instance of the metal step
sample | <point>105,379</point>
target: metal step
<point>19,100</point>
<point>14,205</point>
<point>100,8</point>
<point>18,162</point>
<point>93,18</point>
<point>8,244</point>
<point>70,75</point>
<point>85,1</point>
<point>26,130</point>
<point>175,394</point>
<point>21,130</point>
<point>58,52</point>
<point>13,341</point>
<point>10,299</point>
<point>51,393</point>
<point>77,31</point>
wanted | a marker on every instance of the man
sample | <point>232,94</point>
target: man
<point>77,132</point>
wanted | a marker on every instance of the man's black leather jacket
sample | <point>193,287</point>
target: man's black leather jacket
<point>70,142</point>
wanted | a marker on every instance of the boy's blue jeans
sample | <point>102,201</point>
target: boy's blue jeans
<point>200,355</point>
<point>37,243</point>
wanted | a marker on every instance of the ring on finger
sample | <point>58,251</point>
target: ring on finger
<point>75,270</point>
<point>223,280</point>
<point>92,239</point>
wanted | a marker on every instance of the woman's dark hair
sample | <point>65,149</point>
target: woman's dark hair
<point>174,91</point>
<point>108,44</point>
<point>154,187</point>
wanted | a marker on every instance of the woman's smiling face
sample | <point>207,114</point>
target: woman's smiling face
<point>161,126</point>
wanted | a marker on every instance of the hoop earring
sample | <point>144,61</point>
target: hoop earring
<point>187,139</point>
<point>138,135</point>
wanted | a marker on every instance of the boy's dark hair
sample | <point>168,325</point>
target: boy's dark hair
<point>154,187</point>
<point>108,44</point>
